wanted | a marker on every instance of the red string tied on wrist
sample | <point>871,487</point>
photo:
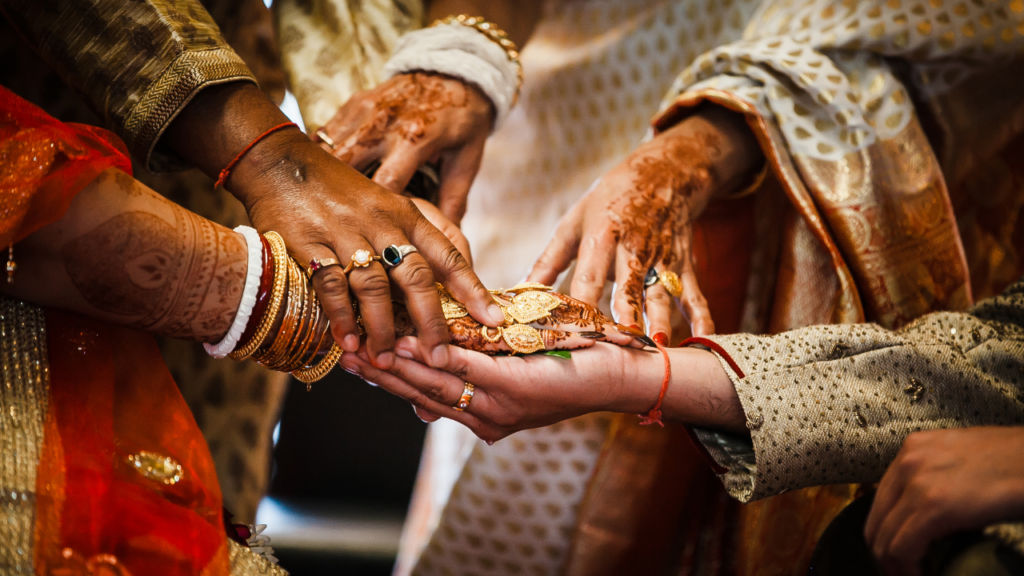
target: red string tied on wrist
<point>223,177</point>
<point>654,416</point>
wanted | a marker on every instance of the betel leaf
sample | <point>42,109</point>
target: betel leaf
<point>559,353</point>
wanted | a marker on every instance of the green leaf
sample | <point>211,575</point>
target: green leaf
<point>560,353</point>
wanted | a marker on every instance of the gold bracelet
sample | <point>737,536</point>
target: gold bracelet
<point>494,34</point>
<point>306,334</point>
<point>271,356</point>
<point>314,373</point>
<point>277,249</point>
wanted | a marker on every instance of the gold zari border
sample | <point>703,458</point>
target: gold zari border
<point>245,562</point>
<point>23,403</point>
<point>180,82</point>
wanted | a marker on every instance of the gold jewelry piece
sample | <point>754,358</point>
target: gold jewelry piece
<point>360,259</point>
<point>494,34</point>
<point>317,264</point>
<point>280,254</point>
<point>523,339</point>
<point>314,373</point>
<point>485,332</point>
<point>325,138</point>
<point>532,306</point>
<point>12,266</point>
<point>670,280</point>
<point>467,396</point>
<point>451,308</point>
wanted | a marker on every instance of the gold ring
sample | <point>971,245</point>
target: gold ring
<point>360,259</point>
<point>467,395</point>
<point>670,280</point>
<point>322,134</point>
<point>318,264</point>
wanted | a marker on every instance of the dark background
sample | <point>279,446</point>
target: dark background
<point>344,446</point>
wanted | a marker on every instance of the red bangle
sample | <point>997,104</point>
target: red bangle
<point>231,165</point>
<point>654,416</point>
<point>262,295</point>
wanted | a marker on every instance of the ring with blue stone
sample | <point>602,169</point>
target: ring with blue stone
<point>651,279</point>
<point>394,255</point>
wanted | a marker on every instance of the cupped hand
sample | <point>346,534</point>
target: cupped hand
<point>639,216</point>
<point>410,120</point>
<point>941,482</point>
<point>515,393</point>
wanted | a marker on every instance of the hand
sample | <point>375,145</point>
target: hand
<point>446,226</point>
<point>325,209</point>
<point>413,119</point>
<point>941,482</point>
<point>640,215</point>
<point>513,392</point>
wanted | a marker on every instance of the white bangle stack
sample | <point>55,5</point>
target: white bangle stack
<point>467,48</point>
<point>253,274</point>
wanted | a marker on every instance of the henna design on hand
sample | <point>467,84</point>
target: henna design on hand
<point>409,106</point>
<point>657,211</point>
<point>183,280</point>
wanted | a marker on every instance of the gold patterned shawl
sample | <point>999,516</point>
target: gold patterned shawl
<point>137,63</point>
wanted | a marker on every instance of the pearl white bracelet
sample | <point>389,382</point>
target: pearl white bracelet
<point>462,52</point>
<point>252,285</point>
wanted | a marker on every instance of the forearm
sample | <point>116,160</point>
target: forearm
<point>125,255</point>
<point>518,19</point>
<point>699,393</point>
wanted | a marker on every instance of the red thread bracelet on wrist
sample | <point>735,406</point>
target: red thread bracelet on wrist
<point>654,416</point>
<point>231,165</point>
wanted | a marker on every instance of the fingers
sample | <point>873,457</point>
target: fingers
<point>628,299</point>
<point>454,272</point>
<point>332,289</point>
<point>427,391</point>
<point>449,229</point>
<point>399,166</point>
<point>560,252</point>
<point>373,291</point>
<point>692,302</point>
<point>415,279</point>
<point>890,489</point>
<point>658,304</point>
<point>457,173</point>
<point>597,255</point>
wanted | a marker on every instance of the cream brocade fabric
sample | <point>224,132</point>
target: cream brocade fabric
<point>833,404</point>
<point>24,390</point>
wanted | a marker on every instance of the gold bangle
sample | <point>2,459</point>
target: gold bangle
<point>494,34</point>
<point>290,324</point>
<point>314,373</point>
<point>278,251</point>
<point>307,333</point>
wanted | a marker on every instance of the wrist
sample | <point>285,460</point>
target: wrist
<point>639,381</point>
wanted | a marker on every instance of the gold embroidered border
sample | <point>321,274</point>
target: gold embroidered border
<point>24,388</point>
<point>245,562</point>
<point>179,83</point>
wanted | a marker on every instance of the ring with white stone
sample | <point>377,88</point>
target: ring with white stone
<point>360,259</point>
<point>467,396</point>
<point>393,255</point>
<point>322,134</point>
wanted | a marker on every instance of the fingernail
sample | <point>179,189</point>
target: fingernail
<point>661,338</point>
<point>439,356</point>
<point>490,442</point>
<point>634,330</point>
<point>636,327</point>
<point>384,360</point>
<point>404,354</point>
<point>495,314</point>
<point>349,366</point>
<point>592,335</point>
<point>350,343</point>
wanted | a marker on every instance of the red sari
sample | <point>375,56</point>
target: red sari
<point>125,483</point>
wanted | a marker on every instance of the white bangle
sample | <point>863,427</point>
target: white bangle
<point>462,52</point>
<point>253,274</point>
